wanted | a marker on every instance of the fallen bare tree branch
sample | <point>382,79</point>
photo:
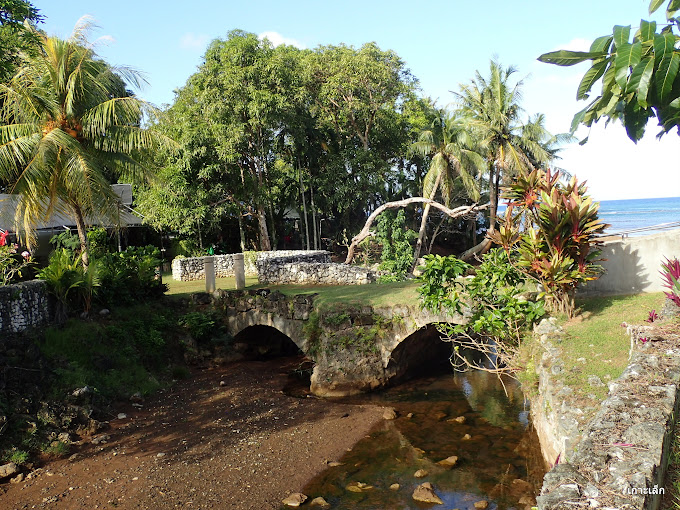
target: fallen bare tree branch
<point>366,231</point>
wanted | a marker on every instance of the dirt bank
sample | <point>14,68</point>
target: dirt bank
<point>227,437</point>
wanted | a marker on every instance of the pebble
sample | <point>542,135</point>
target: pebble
<point>482,505</point>
<point>421,473</point>
<point>319,502</point>
<point>295,499</point>
<point>467,437</point>
<point>395,487</point>
<point>389,414</point>
<point>160,455</point>
<point>122,416</point>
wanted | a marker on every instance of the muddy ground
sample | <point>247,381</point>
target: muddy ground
<point>226,437</point>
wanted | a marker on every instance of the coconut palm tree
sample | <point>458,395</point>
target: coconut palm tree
<point>493,106</point>
<point>453,154</point>
<point>69,127</point>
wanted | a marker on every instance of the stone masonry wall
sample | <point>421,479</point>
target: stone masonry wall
<point>23,306</point>
<point>189,269</point>
<point>621,458</point>
<point>294,269</point>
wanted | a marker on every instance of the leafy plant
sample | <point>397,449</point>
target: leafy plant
<point>397,253</point>
<point>670,273</point>
<point>130,275</point>
<point>652,316</point>
<point>554,228</point>
<point>12,264</point>
<point>200,325</point>
<point>439,288</point>
<point>67,281</point>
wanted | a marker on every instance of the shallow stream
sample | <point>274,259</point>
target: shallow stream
<point>499,458</point>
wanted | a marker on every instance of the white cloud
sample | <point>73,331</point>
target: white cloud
<point>277,39</point>
<point>191,41</point>
<point>575,45</point>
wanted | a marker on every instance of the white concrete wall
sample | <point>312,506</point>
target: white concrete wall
<point>633,264</point>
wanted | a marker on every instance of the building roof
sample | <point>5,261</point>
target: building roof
<point>128,218</point>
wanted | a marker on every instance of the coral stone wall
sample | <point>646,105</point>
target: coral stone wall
<point>278,267</point>
<point>23,306</point>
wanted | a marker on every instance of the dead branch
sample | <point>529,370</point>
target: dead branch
<point>366,231</point>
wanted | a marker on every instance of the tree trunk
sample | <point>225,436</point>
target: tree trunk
<point>423,224</point>
<point>241,232</point>
<point>82,236</point>
<point>366,232</point>
<point>316,235</point>
<point>304,209</point>
<point>264,234</point>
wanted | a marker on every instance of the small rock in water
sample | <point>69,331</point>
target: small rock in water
<point>335,463</point>
<point>295,499</point>
<point>389,414</point>
<point>425,494</point>
<point>409,415</point>
<point>223,383</point>
<point>467,437</point>
<point>319,502</point>
<point>358,487</point>
<point>458,419</point>
<point>448,462</point>
<point>419,450</point>
<point>395,487</point>
<point>482,505</point>
<point>122,416</point>
<point>421,473</point>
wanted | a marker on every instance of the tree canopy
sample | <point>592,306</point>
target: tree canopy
<point>638,71</point>
<point>16,35</point>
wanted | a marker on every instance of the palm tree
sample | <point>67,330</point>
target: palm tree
<point>493,106</point>
<point>69,125</point>
<point>453,154</point>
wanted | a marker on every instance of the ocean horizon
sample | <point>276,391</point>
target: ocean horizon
<point>639,216</point>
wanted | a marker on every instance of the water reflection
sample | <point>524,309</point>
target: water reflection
<point>467,415</point>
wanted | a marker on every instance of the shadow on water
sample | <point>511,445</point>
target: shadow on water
<point>499,458</point>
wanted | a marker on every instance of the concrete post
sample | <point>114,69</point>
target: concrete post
<point>239,271</point>
<point>209,268</point>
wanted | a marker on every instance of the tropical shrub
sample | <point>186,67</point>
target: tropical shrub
<point>440,285</point>
<point>130,275</point>
<point>13,265</point>
<point>670,273</point>
<point>499,311</point>
<point>67,281</point>
<point>397,252</point>
<point>554,228</point>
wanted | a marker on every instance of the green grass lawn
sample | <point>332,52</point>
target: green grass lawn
<point>597,344</point>
<point>375,294</point>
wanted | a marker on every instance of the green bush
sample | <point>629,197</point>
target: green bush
<point>397,252</point>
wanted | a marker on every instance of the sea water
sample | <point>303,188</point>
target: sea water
<point>639,216</point>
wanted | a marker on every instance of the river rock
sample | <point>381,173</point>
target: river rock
<point>425,494</point>
<point>319,502</point>
<point>467,437</point>
<point>389,414</point>
<point>358,487</point>
<point>421,473</point>
<point>295,499</point>
<point>7,470</point>
<point>395,487</point>
<point>482,505</point>
<point>17,479</point>
<point>458,419</point>
<point>335,463</point>
<point>448,462</point>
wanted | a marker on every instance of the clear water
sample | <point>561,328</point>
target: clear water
<point>625,215</point>
<point>500,463</point>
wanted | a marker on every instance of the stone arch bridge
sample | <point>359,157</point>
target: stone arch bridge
<point>354,348</point>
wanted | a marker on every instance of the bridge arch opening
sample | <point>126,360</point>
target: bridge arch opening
<point>264,342</point>
<point>422,353</point>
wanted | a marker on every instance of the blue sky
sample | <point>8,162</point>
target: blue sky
<point>442,42</point>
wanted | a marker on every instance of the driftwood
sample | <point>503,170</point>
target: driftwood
<point>366,231</point>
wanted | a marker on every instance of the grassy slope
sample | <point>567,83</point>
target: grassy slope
<point>376,294</point>
<point>598,339</point>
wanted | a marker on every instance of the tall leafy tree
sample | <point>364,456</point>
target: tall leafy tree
<point>16,35</point>
<point>449,144</point>
<point>639,74</point>
<point>69,123</point>
<point>513,145</point>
